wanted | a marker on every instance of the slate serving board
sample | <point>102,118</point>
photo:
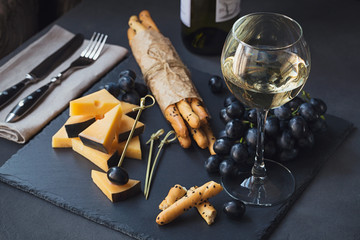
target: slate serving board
<point>62,177</point>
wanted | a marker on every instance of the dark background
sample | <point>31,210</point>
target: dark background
<point>328,209</point>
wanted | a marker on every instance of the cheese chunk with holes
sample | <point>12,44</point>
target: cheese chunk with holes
<point>96,104</point>
<point>126,124</point>
<point>113,191</point>
<point>61,139</point>
<point>76,124</point>
<point>107,160</point>
<point>101,133</point>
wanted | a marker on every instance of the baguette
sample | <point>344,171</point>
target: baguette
<point>175,193</point>
<point>200,137</point>
<point>198,107</point>
<point>200,195</point>
<point>188,114</point>
<point>147,21</point>
<point>172,114</point>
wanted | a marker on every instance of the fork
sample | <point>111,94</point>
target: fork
<point>88,56</point>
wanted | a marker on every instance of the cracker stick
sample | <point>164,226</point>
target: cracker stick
<point>200,137</point>
<point>172,114</point>
<point>147,21</point>
<point>130,34</point>
<point>205,209</point>
<point>175,193</point>
<point>188,114</point>
<point>185,142</point>
<point>135,24</point>
<point>198,107</point>
<point>210,136</point>
<point>200,195</point>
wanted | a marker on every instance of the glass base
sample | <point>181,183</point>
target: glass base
<point>275,188</point>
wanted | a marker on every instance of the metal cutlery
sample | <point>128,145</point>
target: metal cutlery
<point>42,70</point>
<point>88,56</point>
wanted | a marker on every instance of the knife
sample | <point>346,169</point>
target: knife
<point>42,70</point>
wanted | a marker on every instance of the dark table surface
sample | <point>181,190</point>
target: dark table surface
<point>328,209</point>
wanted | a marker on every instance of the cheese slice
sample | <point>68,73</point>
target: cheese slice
<point>128,108</point>
<point>101,133</point>
<point>125,127</point>
<point>113,191</point>
<point>61,139</point>
<point>76,124</point>
<point>97,103</point>
<point>107,160</point>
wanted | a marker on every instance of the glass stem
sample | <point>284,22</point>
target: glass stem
<point>259,170</point>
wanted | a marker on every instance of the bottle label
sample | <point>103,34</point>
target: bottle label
<point>226,9</point>
<point>185,12</point>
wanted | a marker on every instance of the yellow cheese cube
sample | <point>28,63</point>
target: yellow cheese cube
<point>125,126</point>
<point>61,139</point>
<point>113,191</point>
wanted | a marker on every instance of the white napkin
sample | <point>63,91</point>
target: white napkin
<point>16,68</point>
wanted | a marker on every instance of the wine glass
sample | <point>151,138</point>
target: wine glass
<point>265,62</point>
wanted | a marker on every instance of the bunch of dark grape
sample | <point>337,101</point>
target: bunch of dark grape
<point>125,88</point>
<point>289,129</point>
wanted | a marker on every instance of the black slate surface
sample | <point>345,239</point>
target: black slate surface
<point>62,177</point>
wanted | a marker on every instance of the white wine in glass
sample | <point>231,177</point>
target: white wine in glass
<point>265,63</point>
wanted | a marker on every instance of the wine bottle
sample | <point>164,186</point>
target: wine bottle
<point>206,23</point>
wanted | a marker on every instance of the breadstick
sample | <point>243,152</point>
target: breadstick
<point>147,21</point>
<point>205,209</point>
<point>198,107</point>
<point>188,114</point>
<point>200,137</point>
<point>130,34</point>
<point>172,114</point>
<point>210,137</point>
<point>135,24</point>
<point>185,142</point>
<point>200,195</point>
<point>175,193</point>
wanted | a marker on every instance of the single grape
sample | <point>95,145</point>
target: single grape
<point>319,105</point>
<point>283,112</point>
<point>227,168</point>
<point>239,153</point>
<point>224,116</point>
<point>222,146</point>
<point>216,84</point>
<point>229,99</point>
<point>126,83</point>
<point>235,110</point>
<point>141,89</point>
<point>318,126</point>
<point>298,127</point>
<point>294,103</point>
<point>113,88</point>
<point>131,97</point>
<point>212,164</point>
<point>251,136</point>
<point>234,129</point>
<point>306,142</point>
<point>128,72</point>
<point>234,209</point>
<point>285,140</point>
<point>272,126</point>
<point>307,111</point>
